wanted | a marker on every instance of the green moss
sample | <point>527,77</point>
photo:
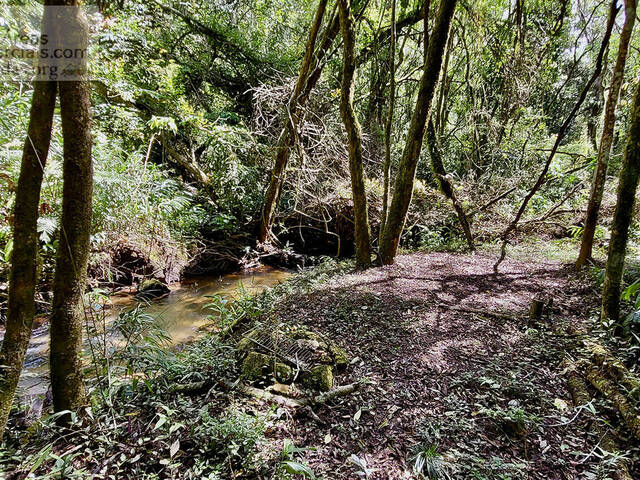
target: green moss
<point>340,359</point>
<point>246,344</point>
<point>255,365</point>
<point>319,378</point>
<point>283,373</point>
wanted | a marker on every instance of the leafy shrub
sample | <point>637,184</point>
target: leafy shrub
<point>233,438</point>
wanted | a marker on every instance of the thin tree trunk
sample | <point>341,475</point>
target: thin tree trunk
<point>24,276</point>
<point>600,174</point>
<point>361,216</point>
<point>445,185</point>
<point>403,186</point>
<point>389,124</point>
<point>75,227</point>
<point>613,11</point>
<point>622,216</point>
<point>298,98</point>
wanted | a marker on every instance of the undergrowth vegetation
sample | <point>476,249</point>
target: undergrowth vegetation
<point>139,422</point>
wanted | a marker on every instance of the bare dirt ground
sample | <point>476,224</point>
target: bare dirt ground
<point>484,395</point>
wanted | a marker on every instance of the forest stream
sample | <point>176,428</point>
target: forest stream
<point>182,314</point>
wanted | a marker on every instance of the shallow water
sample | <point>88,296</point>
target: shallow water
<point>182,314</point>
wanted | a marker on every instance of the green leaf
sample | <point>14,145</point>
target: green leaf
<point>297,468</point>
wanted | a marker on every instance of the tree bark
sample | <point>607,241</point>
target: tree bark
<point>354,134</point>
<point>622,216</point>
<point>600,174</point>
<point>445,185</point>
<point>73,248</point>
<point>386,169</point>
<point>403,185</point>
<point>301,92</point>
<point>24,275</point>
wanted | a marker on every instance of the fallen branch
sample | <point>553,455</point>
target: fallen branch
<point>505,315</point>
<point>492,202</point>
<point>292,402</point>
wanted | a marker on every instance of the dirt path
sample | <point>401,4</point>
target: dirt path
<point>481,394</point>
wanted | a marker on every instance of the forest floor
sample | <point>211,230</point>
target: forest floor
<point>454,382</point>
<point>450,369</point>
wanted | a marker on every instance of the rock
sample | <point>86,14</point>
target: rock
<point>152,288</point>
<point>340,359</point>
<point>283,373</point>
<point>319,378</point>
<point>246,344</point>
<point>322,357</point>
<point>255,365</point>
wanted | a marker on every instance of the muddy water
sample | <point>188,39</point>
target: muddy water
<point>182,314</point>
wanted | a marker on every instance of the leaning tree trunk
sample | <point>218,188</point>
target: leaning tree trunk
<point>622,216</point>
<point>445,185</point>
<point>287,138</point>
<point>403,186</point>
<point>23,276</point>
<point>75,226</point>
<point>388,130</point>
<point>361,216</point>
<point>600,175</point>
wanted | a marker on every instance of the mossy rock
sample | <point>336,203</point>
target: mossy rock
<point>319,378</point>
<point>340,359</point>
<point>325,358</point>
<point>283,373</point>
<point>332,353</point>
<point>255,365</point>
<point>152,288</point>
<point>246,344</point>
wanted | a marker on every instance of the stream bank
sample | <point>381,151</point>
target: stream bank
<point>182,314</point>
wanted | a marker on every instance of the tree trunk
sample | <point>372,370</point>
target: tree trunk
<point>445,185</point>
<point>75,227</point>
<point>361,216</point>
<point>403,186</point>
<point>23,276</point>
<point>623,216</point>
<point>300,94</point>
<point>386,169</point>
<point>564,128</point>
<point>600,174</point>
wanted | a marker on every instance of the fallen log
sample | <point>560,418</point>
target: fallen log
<point>580,395</point>
<point>616,369</point>
<point>607,388</point>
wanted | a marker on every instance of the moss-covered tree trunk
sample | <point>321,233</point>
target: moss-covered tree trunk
<point>600,174</point>
<point>403,186</point>
<point>622,216</point>
<point>23,276</point>
<point>307,78</point>
<point>75,226</point>
<point>388,130</point>
<point>437,166</point>
<point>354,135</point>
